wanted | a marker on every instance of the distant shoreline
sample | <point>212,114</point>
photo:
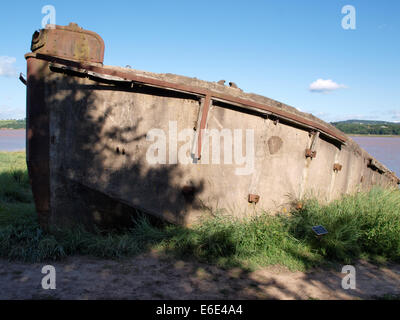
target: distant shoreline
<point>13,151</point>
<point>12,129</point>
<point>373,135</point>
<point>13,124</point>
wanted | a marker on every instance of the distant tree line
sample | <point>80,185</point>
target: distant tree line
<point>12,124</point>
<point>349,127</point>
<point>368,128</point>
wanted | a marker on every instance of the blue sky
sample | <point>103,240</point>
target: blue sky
<point>274,48</point>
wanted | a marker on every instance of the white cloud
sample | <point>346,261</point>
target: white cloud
<point>7,68</point>
<point>325,86</point>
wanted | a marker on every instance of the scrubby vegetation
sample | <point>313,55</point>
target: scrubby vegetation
<point>363,225</point>
<point>363,127</point>
<point>12,124</point>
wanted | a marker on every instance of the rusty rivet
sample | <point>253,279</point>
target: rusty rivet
<point>337,167</point>
<point>310,154</point>
<point>253,198</point>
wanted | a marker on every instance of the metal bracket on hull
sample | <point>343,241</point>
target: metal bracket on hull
<point>311,152</point>
<point>205,107</point>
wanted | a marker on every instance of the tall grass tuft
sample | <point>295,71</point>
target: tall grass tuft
<point>229,242</point>
<point>365,223</point>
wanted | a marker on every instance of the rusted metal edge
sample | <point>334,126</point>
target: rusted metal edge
<point>117,75</point>
<point>253,198</point>
<point>44,42</point>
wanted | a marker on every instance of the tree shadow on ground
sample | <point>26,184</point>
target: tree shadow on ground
<point>153,277</point>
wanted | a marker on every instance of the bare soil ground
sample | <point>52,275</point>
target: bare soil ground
<point>154,276</point>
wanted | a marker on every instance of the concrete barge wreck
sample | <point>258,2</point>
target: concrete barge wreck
<point>104,142</point>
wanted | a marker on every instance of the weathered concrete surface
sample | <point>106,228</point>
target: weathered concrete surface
<point>89,161</point>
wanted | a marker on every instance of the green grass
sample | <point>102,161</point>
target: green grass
<point>365,225</point>
<point>230,242</point>
<point>14,181</point>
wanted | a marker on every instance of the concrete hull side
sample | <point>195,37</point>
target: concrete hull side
<point>99,138</point>
<point>37,138</point>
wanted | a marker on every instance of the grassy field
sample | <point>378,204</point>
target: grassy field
<point>365,225</point>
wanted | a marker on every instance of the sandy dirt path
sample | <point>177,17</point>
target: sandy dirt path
<point>152,276</point>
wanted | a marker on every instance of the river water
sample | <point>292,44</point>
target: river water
<point>12,140</point>
<point>384,149</point>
